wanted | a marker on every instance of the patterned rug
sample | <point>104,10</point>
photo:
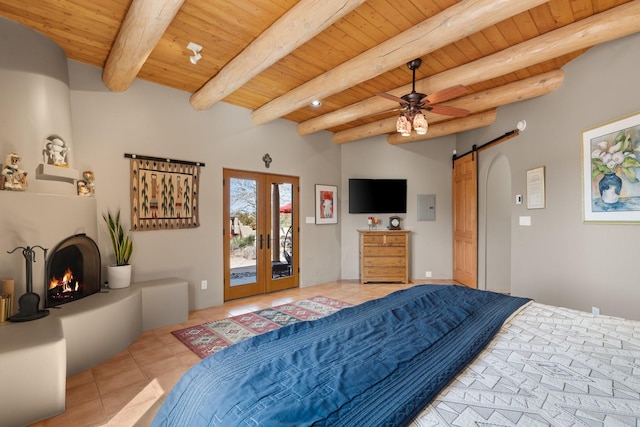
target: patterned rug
<point>211,337</point>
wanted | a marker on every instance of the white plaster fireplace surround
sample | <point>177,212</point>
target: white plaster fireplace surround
<point>35,104</point>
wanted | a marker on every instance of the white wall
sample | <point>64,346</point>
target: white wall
<point>152,120</point>
<point>560,259</point>
<point>427,166</point>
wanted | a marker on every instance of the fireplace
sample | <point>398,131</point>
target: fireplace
<point>72,271</point>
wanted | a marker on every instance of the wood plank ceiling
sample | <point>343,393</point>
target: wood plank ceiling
<point>274,56</point>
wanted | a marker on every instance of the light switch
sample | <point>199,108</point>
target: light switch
<point>525,220</point>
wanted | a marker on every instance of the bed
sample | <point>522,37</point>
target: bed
<point>429,355</point>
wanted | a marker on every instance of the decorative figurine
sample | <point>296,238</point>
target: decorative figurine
<point>13,178</point>
<point>55,152</point>
<point>86,186</point>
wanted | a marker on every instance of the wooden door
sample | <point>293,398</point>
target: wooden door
<point>260,226</point>
<point>465,220</point>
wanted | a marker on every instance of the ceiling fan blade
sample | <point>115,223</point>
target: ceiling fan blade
<point>445,94</point>
<point>446,110</point>
<point>391,97</point>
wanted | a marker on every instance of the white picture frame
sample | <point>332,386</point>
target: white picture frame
<point>326,201</point>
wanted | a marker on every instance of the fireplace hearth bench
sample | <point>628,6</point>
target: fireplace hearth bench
<point>36,357</point>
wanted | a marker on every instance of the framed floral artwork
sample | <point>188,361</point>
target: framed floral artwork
<point>326,204</point>
<point>611,186</point>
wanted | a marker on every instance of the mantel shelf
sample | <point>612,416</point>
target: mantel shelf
<point>57,173</point>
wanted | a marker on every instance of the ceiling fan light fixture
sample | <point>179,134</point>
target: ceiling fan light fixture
<point>403,125</point>
<point>420,124</point>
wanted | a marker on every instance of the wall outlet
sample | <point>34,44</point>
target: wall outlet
<point>203,285</point>
<point>595,310</point>
<point>427,274</point>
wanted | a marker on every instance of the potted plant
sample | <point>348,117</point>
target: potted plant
<point>118,275</point>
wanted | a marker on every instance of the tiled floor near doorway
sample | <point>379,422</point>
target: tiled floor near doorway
<point>122,391</point>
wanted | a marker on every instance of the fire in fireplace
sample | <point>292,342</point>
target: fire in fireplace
<point>73,270</point>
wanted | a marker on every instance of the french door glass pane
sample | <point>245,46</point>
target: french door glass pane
<point>281,230</point>
<point>243,216</point>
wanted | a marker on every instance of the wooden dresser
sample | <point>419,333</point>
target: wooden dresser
<point>384,256</point>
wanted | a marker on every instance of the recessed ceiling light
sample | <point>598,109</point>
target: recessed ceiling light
<point>316,103</point>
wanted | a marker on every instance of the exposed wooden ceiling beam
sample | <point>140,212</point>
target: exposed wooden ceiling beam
<point>606,26</point>
<point>299,25</point>
<point>449,127</point>
<point>456,22</point>
<point>144,25</point>
<point>492,98</point>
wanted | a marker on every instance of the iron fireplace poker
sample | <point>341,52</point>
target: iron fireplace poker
<point>29,302</point>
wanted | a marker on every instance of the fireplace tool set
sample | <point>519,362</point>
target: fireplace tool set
<point>29,303</point>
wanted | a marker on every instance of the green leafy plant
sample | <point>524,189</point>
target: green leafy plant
<point>122,244</point>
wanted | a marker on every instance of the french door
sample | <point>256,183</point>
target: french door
<point>260,226</point>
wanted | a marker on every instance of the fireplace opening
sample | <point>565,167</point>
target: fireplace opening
<point>73,270</point>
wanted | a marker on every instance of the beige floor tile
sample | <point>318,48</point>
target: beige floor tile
<point>151,356</point>
<point>168,364</point>
<point>81,378</point>
<point>189,359</point>
<point>168,380</point>
<point>113,401</point>
<point>140,408</point>
<point>120,380</point>
<point>81,394</point>
<point>89,414</point>
<point>145,343</point>
<point>114,366</point>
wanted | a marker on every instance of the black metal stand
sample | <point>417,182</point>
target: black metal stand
<point>29,302</point>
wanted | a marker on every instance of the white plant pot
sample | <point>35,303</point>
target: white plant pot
<point>119,276</point>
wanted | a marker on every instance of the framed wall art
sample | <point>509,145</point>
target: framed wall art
<point>611,188</point>
<point>326,204</point>
<point>164,193</point>
<point>536,188</point>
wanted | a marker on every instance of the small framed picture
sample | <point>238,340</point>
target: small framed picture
<point>535,188</point>
<point>326,204</point>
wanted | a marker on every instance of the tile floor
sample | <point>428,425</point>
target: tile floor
<point>126,389</point>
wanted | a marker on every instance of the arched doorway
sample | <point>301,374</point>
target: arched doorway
<point>496,225</point>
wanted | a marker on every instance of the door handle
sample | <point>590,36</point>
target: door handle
<point>261,241</point>
<point>268,242</point>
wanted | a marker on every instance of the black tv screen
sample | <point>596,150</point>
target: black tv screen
<point>377,196</point>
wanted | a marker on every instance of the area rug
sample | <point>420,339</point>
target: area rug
<point>211,337</point>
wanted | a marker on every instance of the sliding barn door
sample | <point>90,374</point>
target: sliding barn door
<point>465,220</point>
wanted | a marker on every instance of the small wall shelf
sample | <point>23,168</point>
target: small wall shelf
<point>57,173</point>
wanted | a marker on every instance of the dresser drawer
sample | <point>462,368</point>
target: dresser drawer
<point>384,262</point>
<point>384,274</point>
<point>384,251</point>
<point>384,239</point>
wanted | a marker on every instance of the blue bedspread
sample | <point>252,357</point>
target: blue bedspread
<point>377,363</point>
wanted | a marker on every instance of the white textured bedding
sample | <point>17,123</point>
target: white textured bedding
<point>548,366</point>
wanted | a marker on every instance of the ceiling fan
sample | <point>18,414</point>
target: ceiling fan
<point>413,103</point>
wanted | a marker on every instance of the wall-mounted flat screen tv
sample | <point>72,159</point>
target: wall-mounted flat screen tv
<point>377,196</point>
